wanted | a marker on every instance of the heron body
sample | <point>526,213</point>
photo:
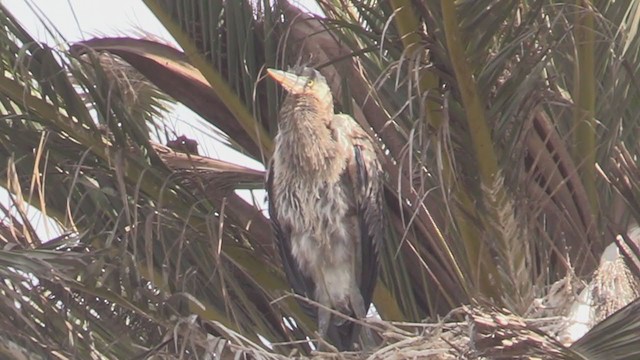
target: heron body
<point>324,189</point>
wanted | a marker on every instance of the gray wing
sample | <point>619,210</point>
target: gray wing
<point>368,184</point>
<point>366,176</point>
<point>301,285</point>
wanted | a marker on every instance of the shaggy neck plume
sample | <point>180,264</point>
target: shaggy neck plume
<point>307,135</point>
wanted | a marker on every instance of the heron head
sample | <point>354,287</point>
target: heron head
<point>303,81</point>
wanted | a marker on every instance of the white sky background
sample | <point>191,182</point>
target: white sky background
<point>84,19</point>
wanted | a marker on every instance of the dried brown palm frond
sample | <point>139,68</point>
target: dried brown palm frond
<point>486,333</point>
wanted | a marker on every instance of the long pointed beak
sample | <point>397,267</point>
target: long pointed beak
<point>289,81</point>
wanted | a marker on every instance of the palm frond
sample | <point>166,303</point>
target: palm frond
<point>507,130</point>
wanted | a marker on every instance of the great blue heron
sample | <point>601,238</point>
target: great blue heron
<point>325,201</point>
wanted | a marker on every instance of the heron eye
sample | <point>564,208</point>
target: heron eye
<point>309,83</point>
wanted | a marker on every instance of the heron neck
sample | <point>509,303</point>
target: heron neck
<point>309,107</point>
<point>305,139</point>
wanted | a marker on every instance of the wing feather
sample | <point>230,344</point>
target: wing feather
<point>301,284</point>
<point>366,178</point>
<point>366,174</point>
<point>369,205</point>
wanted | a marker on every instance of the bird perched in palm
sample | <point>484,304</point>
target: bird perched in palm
<point>325,202</point>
